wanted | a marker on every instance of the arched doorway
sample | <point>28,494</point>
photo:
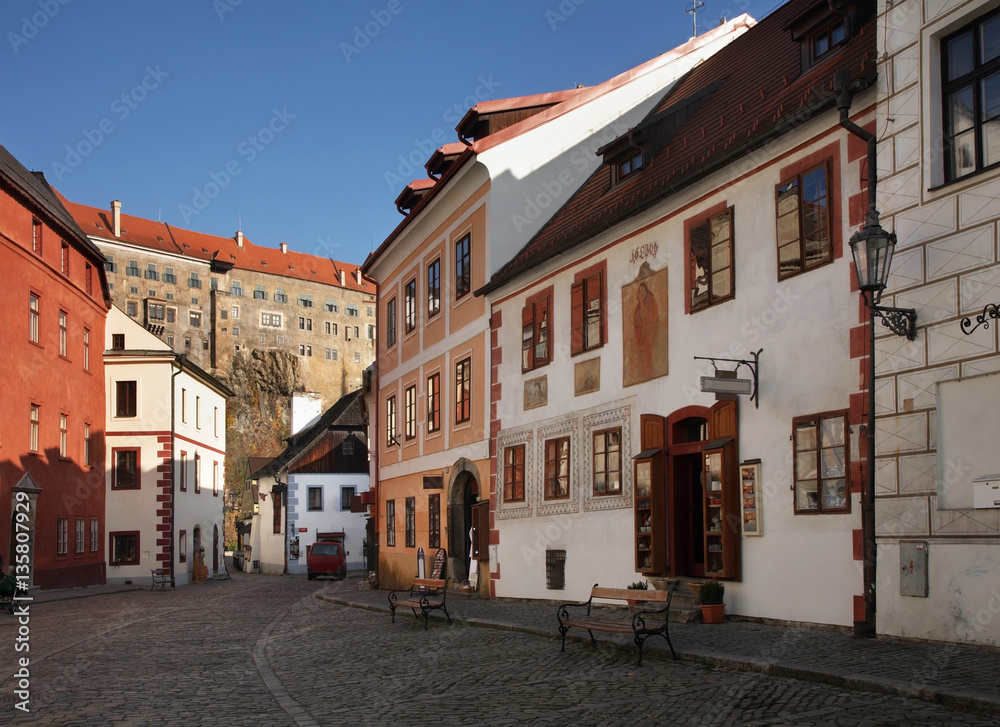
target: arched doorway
<point>463,493</point>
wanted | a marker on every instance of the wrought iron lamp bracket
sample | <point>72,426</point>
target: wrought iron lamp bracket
<point>901,321</point>
<point>752,365</point>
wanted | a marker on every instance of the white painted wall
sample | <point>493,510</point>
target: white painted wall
<point>306,410</point>
<point>802,324</point>
<point>304,523</point>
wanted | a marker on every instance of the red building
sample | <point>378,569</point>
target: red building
<point>53,307</point>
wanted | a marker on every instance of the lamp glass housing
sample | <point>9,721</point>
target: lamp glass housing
<point>872,248</point>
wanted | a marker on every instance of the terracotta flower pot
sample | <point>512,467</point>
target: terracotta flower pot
<point>713,614</point>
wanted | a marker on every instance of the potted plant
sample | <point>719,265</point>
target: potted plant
<point>637,586</point>
<point>712,606</point>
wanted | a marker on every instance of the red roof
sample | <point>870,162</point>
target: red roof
<point>750,90</point>
<point>163,237</point>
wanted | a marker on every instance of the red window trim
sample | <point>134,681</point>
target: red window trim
<point>114,467</point>
<point>690,225</point>
<point>513,473</point>
<point>536,308</point>
<point>578,317</point>
<point>111,547</point>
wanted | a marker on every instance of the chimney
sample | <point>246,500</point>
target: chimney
<point>116,218</point>
<point>239,238</point>
<point>284,248</point>
<point>357,276</point>
<point>343,278</point>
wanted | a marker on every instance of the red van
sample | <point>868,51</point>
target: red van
<point>326,558</point>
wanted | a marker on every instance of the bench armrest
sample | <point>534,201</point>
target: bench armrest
<point>563,613</point>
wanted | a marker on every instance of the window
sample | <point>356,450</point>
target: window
<point>259,293</point>
<point>821,463</point>
<point>235,311</point>
<point>463,391</point>
<point>587,309</point>
<point>151,273</point>
<point>125,398</point>
<point>410,413</point>
<point>371,331</point>
<point>390,523</point>
<point>204,344</point>
<point>346,495</point>
<point>63,323</point>
<point>276,524</point>
<point>168,275</point>
<point>555,570</point>
<point>433,288</point>
<point>347,446</point>
<point>434,521</point>
<point>331,354</point>
<point>86,349</point>
<point>535,351</point>
<point>390,421</point>
<point>410,305</point>
<point>357,357</point>
<point>36,236</point>
<point>557,469</point>
<point>710,259</point>
<point>183,471</point>
<point>131,308</point>
<point>356,332</point>
<point>390,323</point>
<point>306,301</point>
<point>513,473</point>
<point>215,479</point>
<point>35,417</point>
<point>81,535</point>
<point>133,269</point>
<point>607,462</point>
<point>87,455</point>
<point>63,436</point>
<point>463,270</point>
<point>215,421</point>
<point>197,472</point>
<point>625,165</point>
<point>182,547</point>
<point>433,402</point>
<point>62,534</point>
<point>411,522</point>
<point>95,533</point>
<point>155,311</point>
<point>830,36</point>
<point>194,319</point>
<point>270,319</point>
<point>33,309</point>
<point>125,475</point>
<point>330,306</point>
<point>64,258</point>
<point>197,412</point>
<point>803,209</point>
<point>88,278</point>
<point>279,296</point>
<point>315,498</point>
<point>171,314</point>
<point>305,324</point>
<point>971,90</point>
<point>236,288</point>
<point>305,350</point>
<point>184,404</point>
<point>109,264</point>
<point>329,328</point>
<point>124,548</point>
<point>193,281</point>
<point>370,311</point>
<point>351,309</point>
<point>118,341</point>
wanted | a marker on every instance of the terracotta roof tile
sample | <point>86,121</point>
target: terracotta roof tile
<point>759,92</point>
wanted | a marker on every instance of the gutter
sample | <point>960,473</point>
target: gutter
<point>806,113</point>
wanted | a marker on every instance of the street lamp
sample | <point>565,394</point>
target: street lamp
<point>872,248</point>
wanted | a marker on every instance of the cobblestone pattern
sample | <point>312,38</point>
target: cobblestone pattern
<point>261,650</point>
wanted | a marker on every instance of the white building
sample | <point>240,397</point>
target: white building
<point>166,450</point>
<point>306,493</point>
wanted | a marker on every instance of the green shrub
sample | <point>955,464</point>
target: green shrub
<point>712,593</point>
<point>638,586</point>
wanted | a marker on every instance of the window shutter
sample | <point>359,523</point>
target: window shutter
<point>527,338</point>
<point>481,531</point>
<point>456,536</point>
<point>577,317</point>
<point>543,315</point>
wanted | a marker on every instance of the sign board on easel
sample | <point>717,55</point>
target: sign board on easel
<point>437,569</point>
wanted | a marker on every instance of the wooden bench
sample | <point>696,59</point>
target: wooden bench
<point>641,624</point>
<point>160,578</point>
<point>425,594</point>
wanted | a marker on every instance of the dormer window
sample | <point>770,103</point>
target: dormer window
<point>826,27</point>
<point>626,165</point>
<point>832,35</point>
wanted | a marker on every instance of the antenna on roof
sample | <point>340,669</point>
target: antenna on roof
<point>693,9</point>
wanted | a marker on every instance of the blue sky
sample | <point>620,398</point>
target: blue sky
<point>295,117</point>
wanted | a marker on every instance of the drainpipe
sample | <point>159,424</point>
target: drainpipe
<point>841,84</point>
<point>173,470</point>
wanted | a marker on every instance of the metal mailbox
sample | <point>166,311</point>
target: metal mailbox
<point>986,492</point>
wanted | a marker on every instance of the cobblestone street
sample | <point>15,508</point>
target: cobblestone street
<point>263,650</point>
